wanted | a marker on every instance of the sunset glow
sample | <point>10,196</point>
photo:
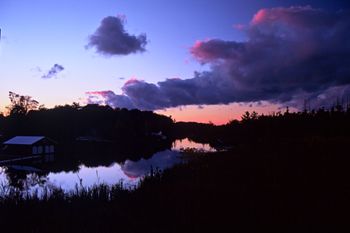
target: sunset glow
<point>174,116</point>
<point>217,114</point>
<point>114,54</point>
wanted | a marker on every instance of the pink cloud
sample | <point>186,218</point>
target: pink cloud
<point>297,16</point>
<point>132,81</point>
<point>201,51</point>
<point>99,93</point>
<point>259,17</point>
<point>216,50</point>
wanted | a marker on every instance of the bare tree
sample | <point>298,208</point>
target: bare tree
<point>20,104</point>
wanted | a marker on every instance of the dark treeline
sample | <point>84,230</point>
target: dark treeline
<point>131,133</point>
<point>66,123</point>
<point>252,127</point>
<point>103,123</point>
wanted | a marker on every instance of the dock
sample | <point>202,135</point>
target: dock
<point>18,159</point>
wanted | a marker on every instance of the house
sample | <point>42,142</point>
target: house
<point>29,146</point>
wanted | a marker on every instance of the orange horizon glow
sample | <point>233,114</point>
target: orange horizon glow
<point>216,114</point>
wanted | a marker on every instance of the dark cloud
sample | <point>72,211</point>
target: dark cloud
<point>290,54</point>
<point>55,69</point>
<point>110,38</point>
<point>328,98</point>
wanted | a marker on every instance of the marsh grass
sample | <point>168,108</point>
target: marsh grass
<point>266,186</point>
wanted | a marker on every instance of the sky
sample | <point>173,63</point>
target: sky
<point>206,61</point>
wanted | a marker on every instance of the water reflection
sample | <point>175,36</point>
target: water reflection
<point>88,176</point>
<point>66,175</point>
<point>183,144</point>
<point>11,180</point>
<point>159,160</point>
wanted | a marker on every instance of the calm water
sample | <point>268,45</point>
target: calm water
<point>34,177</point>
<point>183,144</point>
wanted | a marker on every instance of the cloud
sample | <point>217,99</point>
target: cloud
<point>327,98</point>
<point>111,38</point>
<point>109,98</point>
<point>52,73</point>
<point>290,54</point>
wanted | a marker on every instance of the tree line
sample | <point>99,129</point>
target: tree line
<point>253,127</point>
<point>67,122</point>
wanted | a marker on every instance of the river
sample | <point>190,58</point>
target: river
<point>36,177</point>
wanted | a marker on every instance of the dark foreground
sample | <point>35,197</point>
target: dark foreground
<point>280,185</point>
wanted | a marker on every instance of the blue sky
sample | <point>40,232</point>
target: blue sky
<point>37,34</point>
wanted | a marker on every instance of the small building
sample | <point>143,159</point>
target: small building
<point>29,146</point>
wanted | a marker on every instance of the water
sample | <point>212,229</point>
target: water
<point>186,143</point>
<point>31,177</point>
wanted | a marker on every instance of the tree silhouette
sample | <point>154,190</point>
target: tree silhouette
<point>21,104</point>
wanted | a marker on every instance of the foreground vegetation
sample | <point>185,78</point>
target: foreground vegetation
<point>284,186</point>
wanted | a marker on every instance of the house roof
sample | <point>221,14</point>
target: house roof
<point>23,140</point>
